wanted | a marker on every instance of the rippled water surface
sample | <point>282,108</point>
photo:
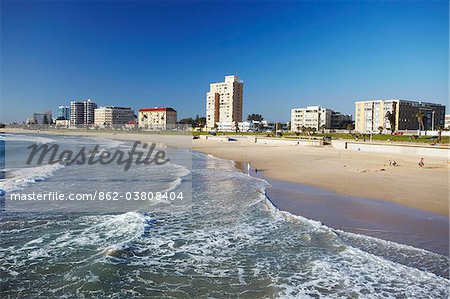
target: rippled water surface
<point>230,241</point>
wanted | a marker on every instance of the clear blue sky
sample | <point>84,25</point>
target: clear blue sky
<point>289,54</point>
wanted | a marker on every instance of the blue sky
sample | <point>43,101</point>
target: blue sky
<point>289,54</point>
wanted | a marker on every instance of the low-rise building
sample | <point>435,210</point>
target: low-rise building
<point>317,117</point>
<point>157,118</point>
<point>112,116</point>
<point>447,121</point>
<point>132,124</point>
<point>43,118</point>
<point>340,120</point>
<point>243,126</point>
<point>61,122</point>
<point>397,115</point>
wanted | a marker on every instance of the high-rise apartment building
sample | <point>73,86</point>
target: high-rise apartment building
<point>64,111</point>
<point>372,114</point>
<point>82,113</point>
<point>224,102</point>
<point>317,117</point>
<point>112,115</point>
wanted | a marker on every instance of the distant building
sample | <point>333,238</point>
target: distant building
<point>112,115</point>
<point>340,120</point>
<point>133,124</point>
<point>316,117</point>
<point>64,111</point>
<point>372,114</point>
<point>245,126</point>
<point>157,118</point>
<point>82,113</point>
<point>61,122</point>
<point>44,118</point>
<point>224,103</point>
<point>447,121</point>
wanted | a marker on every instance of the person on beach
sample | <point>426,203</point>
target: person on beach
<point>421,163</point>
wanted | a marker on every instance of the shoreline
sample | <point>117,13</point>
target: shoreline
<point>370,217</point>
<point>344,172</point>
<point>383,219</point>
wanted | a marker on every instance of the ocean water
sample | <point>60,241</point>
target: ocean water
<point>228,241</point>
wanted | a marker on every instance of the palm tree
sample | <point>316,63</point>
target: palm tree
<point>350,127</point>
<point>380,128</point>
<point>420,116</point>
<point>323,127</point>
<point>298,130</point>
<point>391,118</point>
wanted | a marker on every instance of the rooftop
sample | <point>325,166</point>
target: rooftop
<point>156,109</point>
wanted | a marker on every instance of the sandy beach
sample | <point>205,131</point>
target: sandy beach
<point>346,172</point>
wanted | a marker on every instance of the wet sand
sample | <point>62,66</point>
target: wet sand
<point>377,218</point>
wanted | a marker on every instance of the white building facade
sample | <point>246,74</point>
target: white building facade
<point>310,117</point>
<point>447,121</point>
<point>317,117</point>
<point>224,103</point>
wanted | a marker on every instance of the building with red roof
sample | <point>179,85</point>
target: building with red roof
<point>157,118</point>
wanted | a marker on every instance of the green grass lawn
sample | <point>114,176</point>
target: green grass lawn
<point>375,137</point>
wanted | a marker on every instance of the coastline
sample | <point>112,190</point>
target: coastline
<point>344,172</point>
<point>384,219</point>
<point>380,219</point>
<point>351,173</point>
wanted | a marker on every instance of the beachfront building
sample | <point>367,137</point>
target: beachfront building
<point>64,111</point>
<point>372,114</point>
<point>224,103</point>
<point>112,116</point>
<point>447,121</point>
<point>82,112</point>
<point>61,122</point>
<point>340,120</point>
<point>157,118</point>
<point>43,118</point>
<point>317,117</point>
<point>242,126</point>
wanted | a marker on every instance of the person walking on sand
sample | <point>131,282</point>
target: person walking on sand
<point>421,163</point>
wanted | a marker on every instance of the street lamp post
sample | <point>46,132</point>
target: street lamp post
<point>432,120</point>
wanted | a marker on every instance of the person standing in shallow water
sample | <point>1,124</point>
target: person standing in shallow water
<point>421,163</point>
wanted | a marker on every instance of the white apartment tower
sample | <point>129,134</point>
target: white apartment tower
<point>224,102</point>
<point>82,113</point>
